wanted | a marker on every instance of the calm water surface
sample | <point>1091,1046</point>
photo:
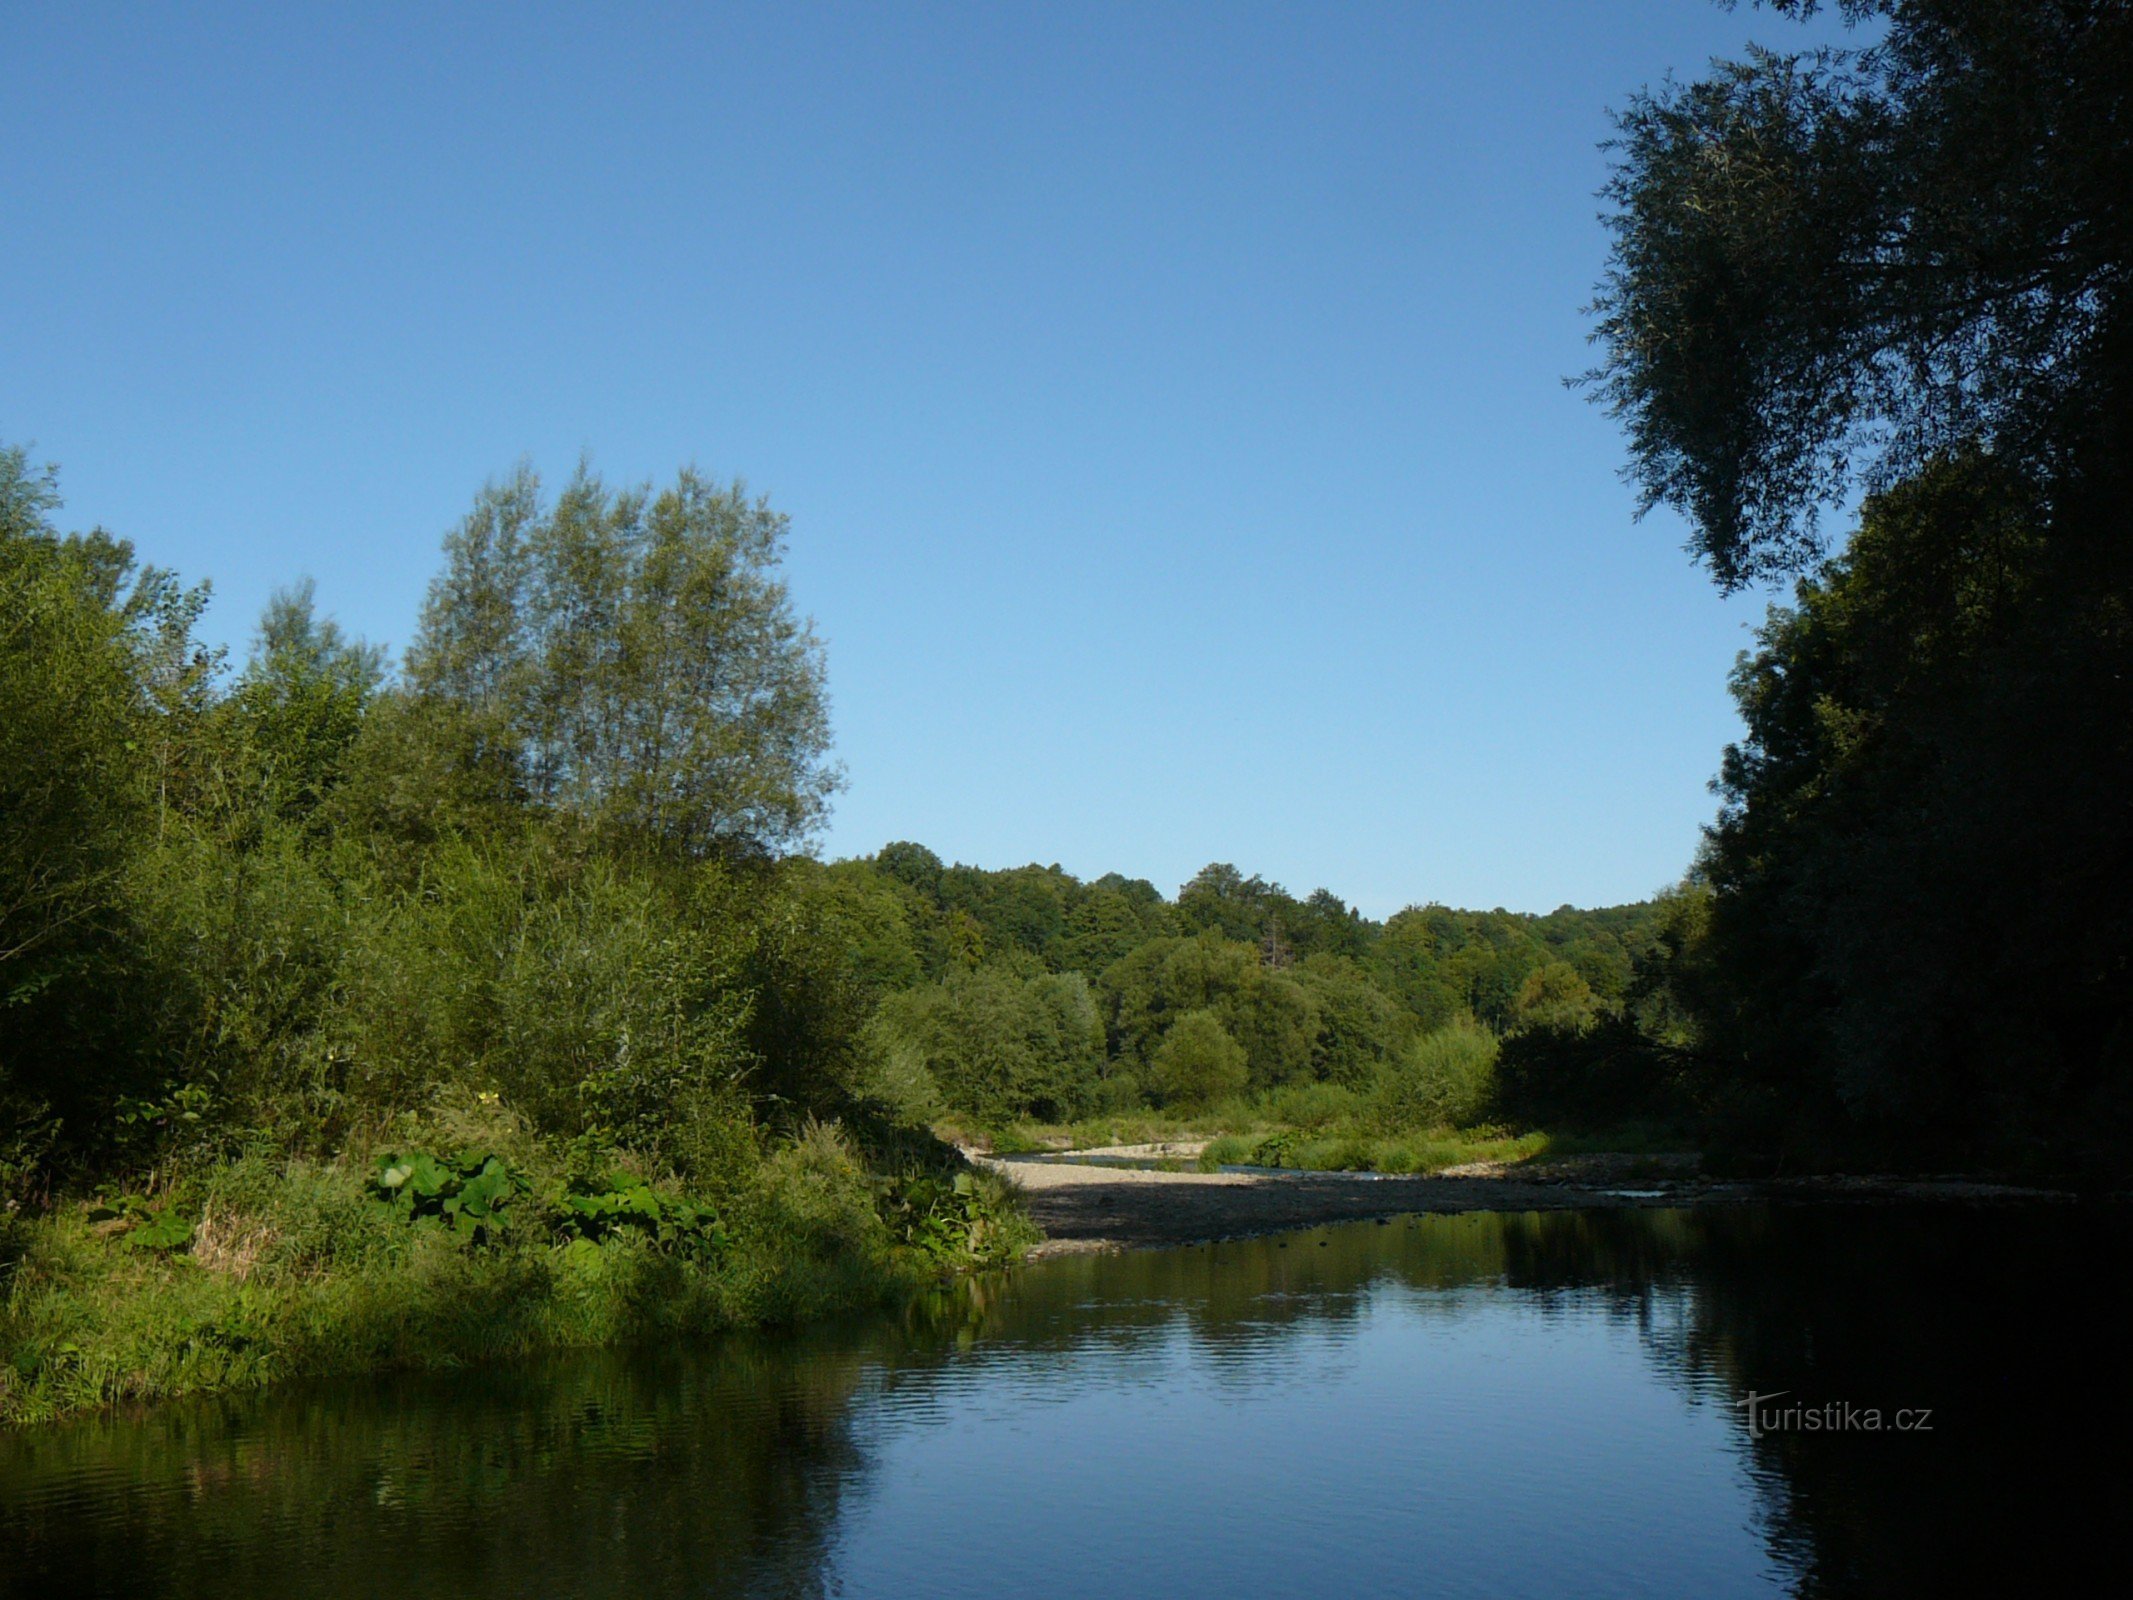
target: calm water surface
<point>1476,1405</point>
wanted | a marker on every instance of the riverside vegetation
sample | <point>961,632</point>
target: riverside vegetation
<point>351,1019</point>
<point>360,1017</point>
<point>351,1015</point>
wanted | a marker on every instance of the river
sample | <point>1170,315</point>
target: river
<point>1485,1404</point>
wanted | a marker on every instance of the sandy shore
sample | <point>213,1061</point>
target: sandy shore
<point>1092,1208</point>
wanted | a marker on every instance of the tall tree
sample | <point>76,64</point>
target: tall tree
<point>1899,272</point>
<point>1831,266</point>
<point>640,657</point>
<point>300,701</point>
<point>96,664</point>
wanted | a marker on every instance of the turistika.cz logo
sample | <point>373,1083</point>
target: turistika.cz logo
<point>1832,1416</point>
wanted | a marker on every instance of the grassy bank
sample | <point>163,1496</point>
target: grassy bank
<point>1323,1128</point>
<point>251,1269</point>
<point>1429,1150</point>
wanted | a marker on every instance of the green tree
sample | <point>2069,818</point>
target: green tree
<point>1359,1026</point>
<point>1554,995</point>
<point>300,702</point>
<point>999,1047</point>
<point>1902,270</point>
<point>640,656</point>
<point>1918,915</point>
<point>1198,1063</point>
<point>1831,266</point>
<point>97,667</point>
<point>1220,899</point>
<point>1408,960</point>
<point>1443,1078</point>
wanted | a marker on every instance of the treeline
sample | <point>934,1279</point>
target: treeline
<point>1028,993</point>
<point>550,861</point>
<point>543,861</point>
<point>352,1017</point>
<point>1897,276</point>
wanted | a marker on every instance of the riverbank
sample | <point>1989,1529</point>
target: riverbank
<point>243,1273</point>
<point>1087,1207</point>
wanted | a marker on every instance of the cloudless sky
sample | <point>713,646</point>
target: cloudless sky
<point>1167,398</point>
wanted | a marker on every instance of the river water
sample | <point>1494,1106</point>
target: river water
<point>1500,1405</point>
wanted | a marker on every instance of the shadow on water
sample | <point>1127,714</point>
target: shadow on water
<point>1385,1369</point>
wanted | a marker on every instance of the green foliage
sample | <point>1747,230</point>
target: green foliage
<point>1919,896</point>
<point>955,1216</point>
<point>1198,1063</point>
<point>1312,991</point>
<point>1358,1026</point>
<point>299,705</point>
<point>1583,1075</point>
<point>997,1046</point>
<point>98,679</point>
<point>528,904</point>
<point>640,657</point>
<point>614,1204</point>
<point>1272,1015</point>
<point>419,772</point>
<point>141,1225</point>
<point>586,990</point>
<point>1445,1078</point>
<point>468,1193</point>
<point>1314,1105</point>
<point>1897,276</point>
<point>1554,995</point>
<point>300,1268</point>
<point>1829,266</point>
<point>1359,1149</point>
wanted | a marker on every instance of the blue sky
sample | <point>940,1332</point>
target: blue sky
<point>1167,399</point>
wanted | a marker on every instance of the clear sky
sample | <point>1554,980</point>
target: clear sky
<point>1167,398</point>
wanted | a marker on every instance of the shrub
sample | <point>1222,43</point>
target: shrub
<point>1313,1105</point>
<point>1609,1071</point>
<point>1445,1078</point>
<point>618,1203</point>
<point>1197,1063</point>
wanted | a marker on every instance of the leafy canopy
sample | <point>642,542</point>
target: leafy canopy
<point>638,657</point>
<point>1830,267</point>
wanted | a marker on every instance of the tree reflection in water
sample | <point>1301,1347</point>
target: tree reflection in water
<point>735,1468</point>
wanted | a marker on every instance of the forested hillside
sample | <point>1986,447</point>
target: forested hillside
<point>1027,993</point>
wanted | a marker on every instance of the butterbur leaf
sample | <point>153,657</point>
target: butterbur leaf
<point>160,1230</point>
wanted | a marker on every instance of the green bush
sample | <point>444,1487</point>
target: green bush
<point>1446,1078</point>
<point>1197,1063</point>
<point>468,1193</point>
<point>618,1203</point>
<point>1314,1105</point>
<point>998,1047</point>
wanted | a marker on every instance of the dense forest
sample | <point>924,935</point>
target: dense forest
<point>1895,277</point>
<point>1028,994</point>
